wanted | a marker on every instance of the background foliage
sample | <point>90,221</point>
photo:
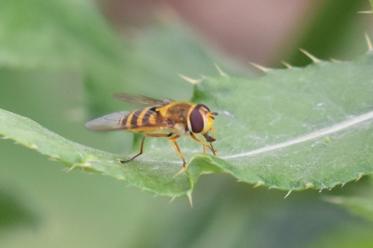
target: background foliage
<point>42,206</point>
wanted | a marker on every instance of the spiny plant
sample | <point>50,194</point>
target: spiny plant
<point>291,129</point>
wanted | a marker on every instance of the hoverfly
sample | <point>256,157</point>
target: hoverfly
<point>161,118</point>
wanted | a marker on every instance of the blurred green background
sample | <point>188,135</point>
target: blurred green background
<point>60,61</point>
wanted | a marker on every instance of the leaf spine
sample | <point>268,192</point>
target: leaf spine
<point>190,80</point>
<point>369,42</point>
<point>190,198</point>
<point>260,67</point>
<point>310,56</point>
<point>221,72</point>
<point>286,64</point>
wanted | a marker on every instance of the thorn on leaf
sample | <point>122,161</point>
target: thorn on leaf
<point>359,176</point>
<point>287,194</point>
<point>309,185</point>
<point>190,80</point>
<point>190,199</point>
<point>72,167</point>
<point>260,67</point>
<point>369,42</point>
<point>310,56</point>
<point>369,12</point>
<point>286,64</point>
<point>172,199</point>
<point>221,72</point>
<point>258,184</point>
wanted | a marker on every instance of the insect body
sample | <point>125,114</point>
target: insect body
<point>162,118</point>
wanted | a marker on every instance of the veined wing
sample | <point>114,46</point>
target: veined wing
<point>109,122</point>
<point>139,99</point>
<point>146,121</point>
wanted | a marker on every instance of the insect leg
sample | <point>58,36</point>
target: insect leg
<point>178,152</point>
<point>212,149</point>
<point>209,145</point>
<point>196,139</point>
<point>138,154</point>
<point>210,139</point>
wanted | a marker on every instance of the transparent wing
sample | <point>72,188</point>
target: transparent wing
<point>138,99</point>
<point>107,122</point>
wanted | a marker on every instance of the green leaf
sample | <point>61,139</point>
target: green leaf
<point>290,129</point>
<point>295,129</point>
<point>54,34</point>
<point>143,175</point>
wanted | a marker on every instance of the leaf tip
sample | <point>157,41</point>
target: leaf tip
<point>55,157</point>
<point>172,199</point>
<point>310,56</point>
<point>71,168</point>
<point>221,72</point>
<point>258,184</point>
<point>286,64</point>
<point>85,164</point>
<point>190,80</point>
<point>364,12</point>
<point>190,198</point>
<point>287,194</point>
<point>369,42</point>
<point>359,176</point>
<point>32,146</point>
<point>260,67</point>
<point>309,185</point>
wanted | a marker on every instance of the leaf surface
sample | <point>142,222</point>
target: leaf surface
<point>290,129</point>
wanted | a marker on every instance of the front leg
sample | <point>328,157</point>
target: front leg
<point>205,144</point>
<point>210,139</point>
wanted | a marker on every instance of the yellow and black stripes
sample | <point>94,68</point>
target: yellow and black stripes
<point>141,118</point>
<point>134,119</point>
<point>150,117</point>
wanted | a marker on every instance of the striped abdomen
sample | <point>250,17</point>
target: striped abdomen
<point>143,120</point>
<point>146,117</point>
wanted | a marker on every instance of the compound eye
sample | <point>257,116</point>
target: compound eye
<point>196,120</point>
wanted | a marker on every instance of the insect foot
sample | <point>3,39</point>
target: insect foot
<point>182,170</point>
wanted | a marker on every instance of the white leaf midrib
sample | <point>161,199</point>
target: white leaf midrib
<point>338,127</point>
<point>317,134</point>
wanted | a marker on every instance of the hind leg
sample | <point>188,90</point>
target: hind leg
<point>138,154</point>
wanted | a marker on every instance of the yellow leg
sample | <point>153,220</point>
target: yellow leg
<point>212,149</point>
<point>180,155</point>
<point>204,145</point>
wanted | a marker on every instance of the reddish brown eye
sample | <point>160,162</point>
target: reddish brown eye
<point>196,120</point>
